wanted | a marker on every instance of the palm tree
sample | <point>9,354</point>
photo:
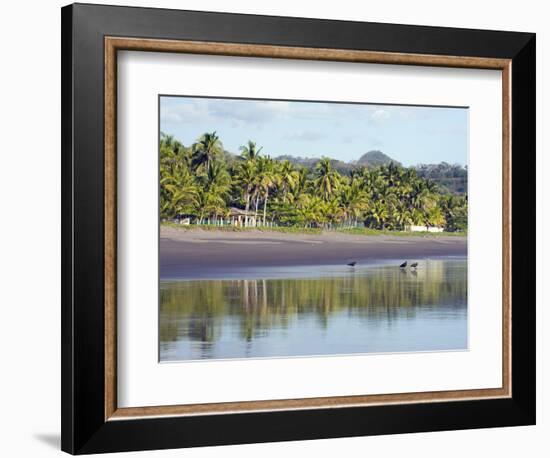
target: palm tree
<point>377,214</point>
<point>210,203</point>
<point>435,217</point>
<point>301,185</point>
<point>216,177</point>
<point>206,149</point>
<point>393,174</point>
<point>328,179</point>
<point>266,178</point>
<point>309,210</point>
<point>178,191</point>
<point>172,151</point>
<point>288,178</point>
<point>250,151</point>
<point>245,178</point>
<point>354,201</point>
<point>400,216</point>
<point>332,212</point>
<point>167,141</point>
<point>455,212</point>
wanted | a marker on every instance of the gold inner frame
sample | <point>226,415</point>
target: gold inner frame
<point>114,44</point>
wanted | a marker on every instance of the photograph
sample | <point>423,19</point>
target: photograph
<point>310,228</point>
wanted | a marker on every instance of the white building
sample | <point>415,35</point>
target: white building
<point>424,228</point>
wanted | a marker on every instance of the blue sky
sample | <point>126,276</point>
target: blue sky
<point>409,134</point>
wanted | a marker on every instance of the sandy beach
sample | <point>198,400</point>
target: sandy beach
<point>197,253</point>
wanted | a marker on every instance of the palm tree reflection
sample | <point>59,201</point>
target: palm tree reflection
<point>201,311</point>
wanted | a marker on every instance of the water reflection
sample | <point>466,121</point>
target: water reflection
<point>369,309</point>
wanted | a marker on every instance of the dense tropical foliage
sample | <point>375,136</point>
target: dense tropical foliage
<point>203,182</point>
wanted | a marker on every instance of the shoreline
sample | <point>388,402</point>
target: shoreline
<point>195,253</point>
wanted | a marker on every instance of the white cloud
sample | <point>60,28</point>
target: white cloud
<point>257,112</point>
<point>305,135</point>
<point>380,114</point>
<point>182,112</point>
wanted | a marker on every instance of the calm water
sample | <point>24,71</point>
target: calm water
<point>299,311</point>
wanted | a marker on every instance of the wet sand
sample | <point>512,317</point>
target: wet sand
<point>199,253</point>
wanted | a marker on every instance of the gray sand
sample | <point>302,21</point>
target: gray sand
<point>193,253</point>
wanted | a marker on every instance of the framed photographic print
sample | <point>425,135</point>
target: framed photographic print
<point>284,228</point>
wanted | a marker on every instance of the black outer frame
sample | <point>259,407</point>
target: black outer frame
<point>84,429</point>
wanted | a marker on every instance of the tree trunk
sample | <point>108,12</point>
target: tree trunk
<point>265,204</point>
<point>256,209</point>
<point>247,207</point>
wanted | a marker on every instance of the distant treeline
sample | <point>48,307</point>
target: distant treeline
<point>371,159</point>
<point>452,178</point>
<point>203,181</point>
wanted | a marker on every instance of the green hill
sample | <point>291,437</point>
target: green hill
<point>375,159</point>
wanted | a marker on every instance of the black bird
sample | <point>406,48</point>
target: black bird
<point>403,265</point>
<point>414,265</point>
<point>352,263</point>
